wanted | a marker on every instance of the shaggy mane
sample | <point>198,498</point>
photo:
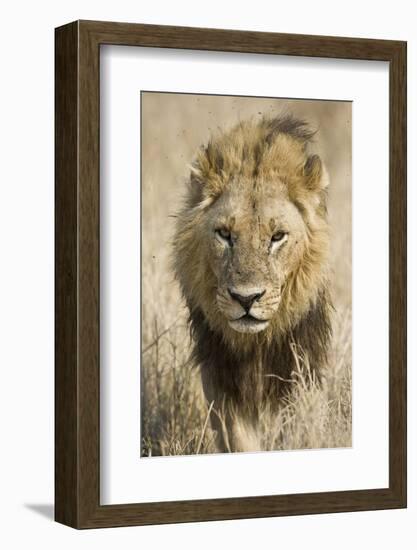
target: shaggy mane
<point>252,149</point>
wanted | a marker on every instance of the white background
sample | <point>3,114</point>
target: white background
<point>124,477</point>
<point>26,286</point>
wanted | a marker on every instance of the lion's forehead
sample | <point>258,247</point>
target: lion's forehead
<point>271,211</point>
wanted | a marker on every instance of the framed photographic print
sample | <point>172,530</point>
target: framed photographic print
<point>230,274</point>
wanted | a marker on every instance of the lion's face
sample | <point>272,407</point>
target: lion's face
<point>252,240</point>
<point>257,239</point>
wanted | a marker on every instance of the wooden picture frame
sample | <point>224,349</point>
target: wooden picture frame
<point>77,374</point>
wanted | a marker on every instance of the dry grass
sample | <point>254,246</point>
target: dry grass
<point>174,412</point>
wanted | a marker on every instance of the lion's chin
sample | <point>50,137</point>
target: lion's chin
<point>248,325</point>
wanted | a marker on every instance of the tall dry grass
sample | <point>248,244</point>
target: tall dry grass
<point>174,413</point>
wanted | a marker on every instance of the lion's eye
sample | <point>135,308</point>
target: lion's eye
<point>224,234</point>
<point>278,236</point>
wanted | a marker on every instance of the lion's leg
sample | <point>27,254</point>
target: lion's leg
<point>240,431</point>
<point>236,428</point>
<point>234,432</point>
<point>216,417</point>
<point>219,426</point>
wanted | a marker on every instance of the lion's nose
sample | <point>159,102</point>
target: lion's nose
<point>246,300</point>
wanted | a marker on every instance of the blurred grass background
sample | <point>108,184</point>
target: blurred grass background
<point>173,408</point>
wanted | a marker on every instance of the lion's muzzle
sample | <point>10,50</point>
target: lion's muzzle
<point>243,308</point>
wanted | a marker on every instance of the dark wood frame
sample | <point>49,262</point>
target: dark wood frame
<point>77,274</point>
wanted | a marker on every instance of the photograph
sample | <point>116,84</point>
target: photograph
<point>246,274</point>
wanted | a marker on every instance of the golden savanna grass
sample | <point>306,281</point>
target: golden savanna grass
<point>174,412</point>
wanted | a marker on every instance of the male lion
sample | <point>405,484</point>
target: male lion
<point>250,253</point>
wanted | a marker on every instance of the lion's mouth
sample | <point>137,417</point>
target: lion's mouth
<point>248,323</point>
<point>251,319</point>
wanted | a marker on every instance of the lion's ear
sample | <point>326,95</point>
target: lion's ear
<point>315,174</point>
<point>195,186</point>
<point>199,195</point>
